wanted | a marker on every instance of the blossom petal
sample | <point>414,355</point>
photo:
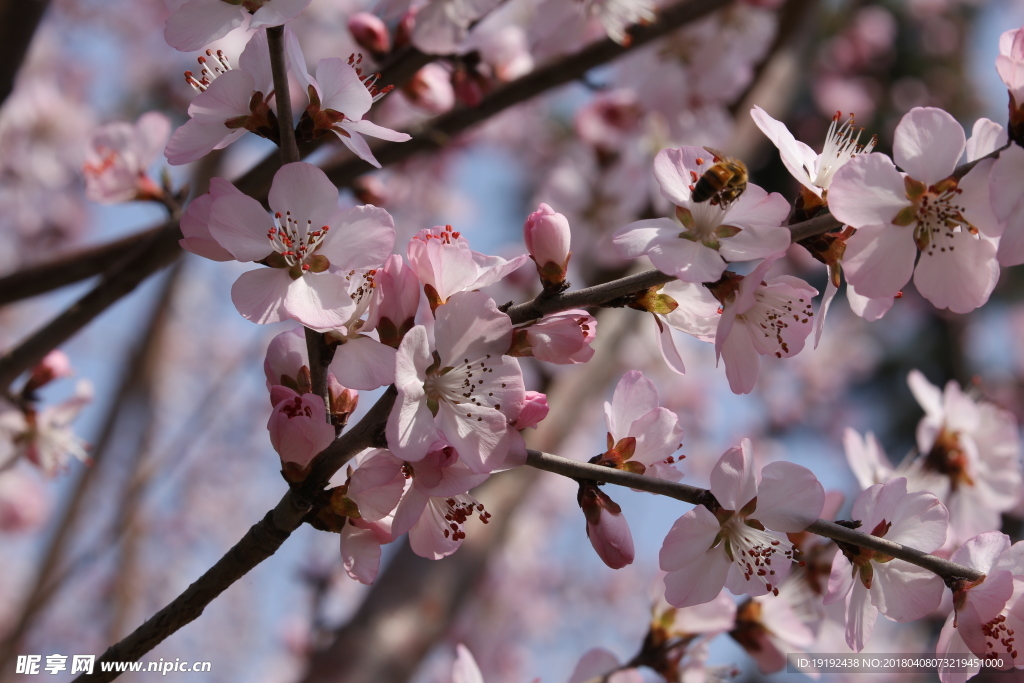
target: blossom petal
<point>410,429</point>
<point>699,581</point>
<point>259,295</point>
<point>198,23</point>
<point>341,89</point>
<point>927,144</point>
<point>374,131</point>
<point>304,190</point>
<point>634,397</point>
<point>733,479</point>
<point>688,260</point>
<point>277,12</point>
<point>798,158</point>
<point>867,190</point>
<point>789,497</point>
<point>636,239</point>
<point>960,275</point>
<point>360,552</point>
<point>905,592</point>
<point>364,363</point>
<point>879,259</point>
<point>240,224</point>
<point>363,238</point>
<point>688,539</point>
<point>861,616</point>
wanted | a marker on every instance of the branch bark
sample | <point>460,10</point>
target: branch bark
<point>19,20</point>
<point>698,496</point>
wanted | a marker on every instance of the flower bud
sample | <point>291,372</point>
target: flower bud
<point>430,89</point>
<point>547,237</point>
<point>562,338</point>
<point>370,33</point>
<point>54,365</point>
<point>298,431</point>
<point>607,529</point>
<point>398,290</point>
<point>343,400</point>
<point>534,410</point>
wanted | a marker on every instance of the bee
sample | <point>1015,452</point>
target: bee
<point>723,183</point>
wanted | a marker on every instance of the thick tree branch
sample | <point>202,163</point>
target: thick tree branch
<point>18,22</point>
<point>697,496</point>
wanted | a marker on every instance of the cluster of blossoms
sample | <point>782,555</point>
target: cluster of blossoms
<point>422,325</point>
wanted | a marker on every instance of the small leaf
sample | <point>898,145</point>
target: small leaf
<point>906,216</point>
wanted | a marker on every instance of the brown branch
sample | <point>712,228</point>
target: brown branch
<point>697,496</point>
<point>598,295</point>
<point>259,543</point>
<point>19,20</point>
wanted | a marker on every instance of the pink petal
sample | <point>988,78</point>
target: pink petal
<point>364,363</point>
<point>470,326</point>
<point>799,159</point>
<point>592,665</point>
<point>927,144</point>
<point>732,480</point>
<point>742,362</point>
<point>918,518</point>
<point>699,581</point>
<point>688,260</point>
<point>362,239</point>
<point>240,224</point>
<point>672,170</point>
<point>198,23</point>
<point>410,429</point>
<point>476,432</point>
<point>341,89</point>
<point>196,139</point>
<point>259,295</point>
<point>634,397</point>
<point>355,142</point>
<point>879,259</point>
<point>840,580</point>
<point>688,540</point>
<point>961,275</point>
<point>867,190</point>
<point>611,539</point>
<point>277,12</point>
<point>636,239</point>
<point>904,592</point>
<point>866,307</point>
<point>860,617</point>
<point>819,325</point>
<point>986,137</point>
<point>789,497</point>
<point>465,669</point>
<point>319,301</point>
<point>304,190</point>
<point>668,348</point>
<point>374,131</point>
<point>360,552</point>
<point>196,230</point>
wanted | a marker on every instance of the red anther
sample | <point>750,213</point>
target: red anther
<point>456,235</point>
<point>700,161</point>
<point>277,215</point>
<point>305,267</point>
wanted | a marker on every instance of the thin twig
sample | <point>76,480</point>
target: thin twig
<point>698,496</point>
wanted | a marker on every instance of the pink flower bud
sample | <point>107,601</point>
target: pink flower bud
<point>547,237</point>
<point>563,338</point>
<point>298,431</point>
<point>430,89</point>
<point>607,529</point>
<point>534,410</point>
<point>370,33</point>
<point>343,399</point>
<point>470,86</point>
<point>54,365</point>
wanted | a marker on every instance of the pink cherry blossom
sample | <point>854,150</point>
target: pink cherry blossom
<point>469,394</point>
<point>430,89</point>
<point>696,245</point>
<point>769,628</point>
<point>444,263</point>
<point>119,158</point>
<point>607,528</point>
<point>978,606</point>
<point>360,548</point>
<point>814,171</point>
<point>316,252</point>
<point>562,338</point>
<point>1008,204</point>
<point>195,223</point>
<point>739,546</point>
<point>45,437</point>
<point>870,582</point>
<point>339,98</point>
<point>926,210</point>
<point>761,318</point>
<point>299,429</point>
<point>437,504</point>
<point>652,432</point>
<point>193,24</point>
<point>360,361</point>
<point>970,457</point>
<point>231,101</point>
